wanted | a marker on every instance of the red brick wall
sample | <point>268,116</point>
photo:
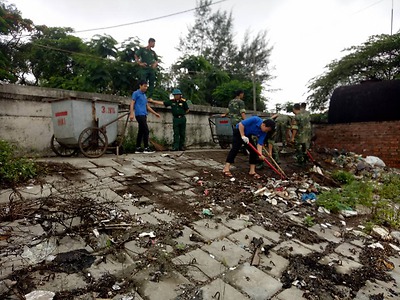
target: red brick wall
<point>381,139</point>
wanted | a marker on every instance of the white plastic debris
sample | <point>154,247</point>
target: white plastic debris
<point>149,234</point>
<point>394,247</point>
<point>374,161</point>
<point>317,169</point>
<point>323,210</point>
<point>381,233</point>
<point>376,245</point>
<point>121,174</point>
<point>260,191</point>
<point>348,213</point>
<point>40,295</point>
<point>39,252</point>
<point>96,232</point>
<point>232,179</point>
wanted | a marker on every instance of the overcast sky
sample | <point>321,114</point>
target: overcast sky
<point>306,35</point>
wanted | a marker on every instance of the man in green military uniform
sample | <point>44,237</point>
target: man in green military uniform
<point>236,108</point>
<point>179,108</point>
<point>147,59</point>
<point>301,133</point>
<point>283,125</point>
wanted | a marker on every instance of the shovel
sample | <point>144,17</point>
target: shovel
<point>274,161</point>
<point>266,160</point>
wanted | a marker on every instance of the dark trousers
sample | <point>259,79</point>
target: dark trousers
<point>143,132</point>
<point>237,142</point>
<point>148,74</point>
<point>179,127</point>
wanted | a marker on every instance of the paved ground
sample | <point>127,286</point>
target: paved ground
<point>216,253</point>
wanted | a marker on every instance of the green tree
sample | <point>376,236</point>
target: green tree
<point>377,58</point>
<point>210,37</point>
<point>12,29</point>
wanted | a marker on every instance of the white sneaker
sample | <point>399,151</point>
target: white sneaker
<point>148,150</point>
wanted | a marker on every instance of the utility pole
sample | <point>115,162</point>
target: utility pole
<point>391,21</point>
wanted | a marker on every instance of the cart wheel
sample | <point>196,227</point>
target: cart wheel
<point>93,142</point>
<point>61,149</point>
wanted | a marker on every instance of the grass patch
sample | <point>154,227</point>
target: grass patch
<point>13,169</point>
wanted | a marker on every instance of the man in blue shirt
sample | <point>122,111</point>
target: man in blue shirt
<point>243,133</point>
<point>138,109</point>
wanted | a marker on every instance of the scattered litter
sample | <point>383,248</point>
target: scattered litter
<point>313,277</point>
<point>244,217</point>
<point>348,213</point>
<point>394,247</point>
<point>232,179</point>
<point>40,252</point>
<point>149,234</point>
<point>121,174</point>
<point>289,234</point>
<point>381,233</point>
<point>206,192</point>
<point>260,191</point>
<point>40,295</point>
<point>317,169</point>
<point>207,212</point>
<point>376,245</point>
<point>309,196</point>
<point>165,155</point>
<point>96,232</point>
<point>116,287</point>
<point>374,161</point>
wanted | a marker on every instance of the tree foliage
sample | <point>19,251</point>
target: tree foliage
<point>377,58</point>
<point>211,62</point>
<point>12,29</point>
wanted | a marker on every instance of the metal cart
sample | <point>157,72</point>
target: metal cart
<point>221,130</point>
<point>88,126</point>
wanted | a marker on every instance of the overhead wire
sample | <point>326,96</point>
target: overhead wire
<point>150,19</point>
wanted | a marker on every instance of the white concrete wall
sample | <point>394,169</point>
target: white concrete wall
<point>25,117</point>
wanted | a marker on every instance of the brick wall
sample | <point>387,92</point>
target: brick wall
<point>381,139</point>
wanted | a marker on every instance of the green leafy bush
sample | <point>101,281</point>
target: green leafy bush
<point>13,169</point>
<point>343,176</point>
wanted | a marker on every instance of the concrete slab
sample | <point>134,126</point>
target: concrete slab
<point>210,229</point>
<point>168,288</point>
<point>152,177</point>
<point>127,171</point>
<point>82,175</point>
<point>341,264</point>
<point>388,290</point>
<point>78,162</point>
<point>273,264</point>
<point>146,218</point>
<point>35,191</point>
<point>219,289</point>
<point>152,169</point>
<point>113,265</point>
<point>350,251</point>
<point>236,224</point>
<point>160,187</point>
<point>200,265</point>
<point>185,238</point>
<point>188,172</point>
<point>165,217</point>
<point>227,252</point>
<point>290,294</point>
<point>291,248</point>
<point>105,161</point>
<point>57,282</point>
<point>133,248</point>
<point>5,196</point>
<point>245,236</point>
<point>328,234</point>
<point>135,210</point>
<point>104,172</point>
<point>254,282</point>
<point>271,235</point>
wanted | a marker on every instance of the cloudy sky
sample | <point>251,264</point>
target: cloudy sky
<point>306,35</point>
